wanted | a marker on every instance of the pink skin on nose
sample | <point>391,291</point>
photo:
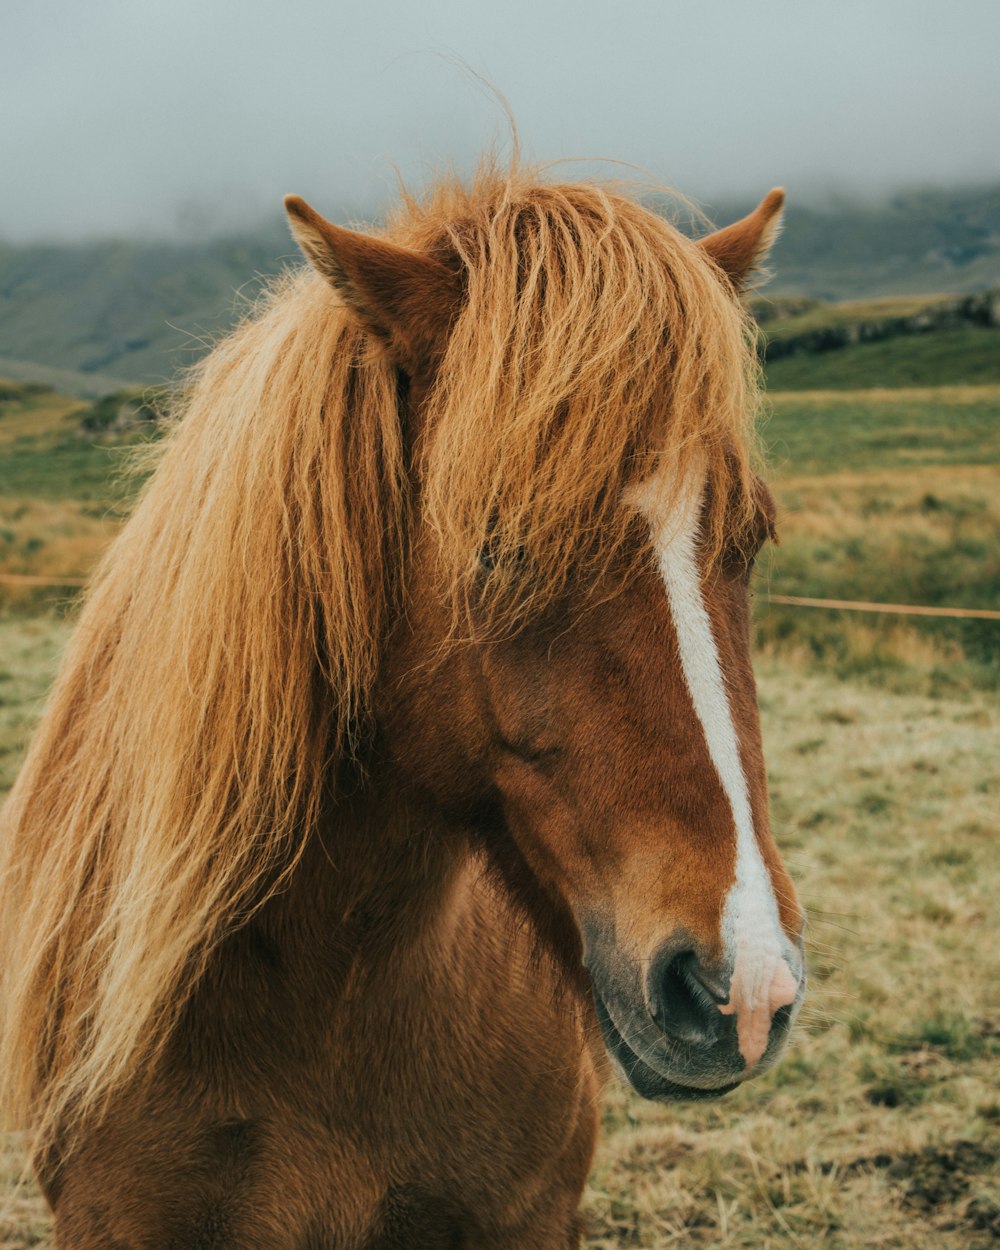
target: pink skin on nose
<point>754,999</point>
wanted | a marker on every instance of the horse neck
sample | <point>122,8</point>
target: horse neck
<point>387,913</point>
<point>383,884</point>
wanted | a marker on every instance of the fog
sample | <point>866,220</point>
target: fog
<point>155,118</point>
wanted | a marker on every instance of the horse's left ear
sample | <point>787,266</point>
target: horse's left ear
<point>741,248</point>
<point>408,299</point>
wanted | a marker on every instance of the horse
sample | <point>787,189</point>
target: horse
<point>403,777</point>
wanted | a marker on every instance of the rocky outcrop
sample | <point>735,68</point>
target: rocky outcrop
<point>980,309</point>
<point>127,410</point>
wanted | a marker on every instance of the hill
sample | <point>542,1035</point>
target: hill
<point>929,241</point>
<point>908,341</point>
<point>133,311</point>
<point>119,312</point>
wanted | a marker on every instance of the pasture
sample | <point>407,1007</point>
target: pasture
<point>882,1125</point>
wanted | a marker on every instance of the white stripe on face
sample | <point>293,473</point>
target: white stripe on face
<point>752,937</point>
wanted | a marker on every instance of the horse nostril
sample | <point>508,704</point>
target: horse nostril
<point>781,1020</point>
<point>681,1003</point>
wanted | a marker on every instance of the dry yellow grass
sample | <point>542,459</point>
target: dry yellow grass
<point>53,537</point>
<point>938,504</point>
<point>880,1129</point>
<point>940,396</point>
<point>29,652</point>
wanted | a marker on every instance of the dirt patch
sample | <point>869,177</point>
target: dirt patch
<point>983,1216</point>
<point>936,1176</point>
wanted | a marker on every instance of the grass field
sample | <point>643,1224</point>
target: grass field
<point>886,496</point>
<point>882,1126</point>
<point>968,356</point>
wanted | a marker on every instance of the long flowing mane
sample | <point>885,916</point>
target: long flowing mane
<point>220,672</point>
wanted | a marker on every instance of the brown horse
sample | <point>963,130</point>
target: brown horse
<point>407,748</point>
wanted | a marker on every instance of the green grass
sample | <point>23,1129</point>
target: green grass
<point>48,454</point>
<point>828,432</point>
<point>968,356</point>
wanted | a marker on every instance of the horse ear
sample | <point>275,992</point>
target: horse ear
<point>741,248</point>
<point>406,298</point>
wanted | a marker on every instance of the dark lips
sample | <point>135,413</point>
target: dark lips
<point>644,1079</point>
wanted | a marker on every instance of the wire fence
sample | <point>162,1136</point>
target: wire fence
<point>899,609</point>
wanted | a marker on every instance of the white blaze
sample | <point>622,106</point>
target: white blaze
<point>751,930</point>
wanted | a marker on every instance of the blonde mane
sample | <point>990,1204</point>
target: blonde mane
<point>223,661</point>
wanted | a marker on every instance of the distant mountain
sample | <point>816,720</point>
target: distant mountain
<point>114,313</point>
<point>128,311</point>
<point>924,242</point>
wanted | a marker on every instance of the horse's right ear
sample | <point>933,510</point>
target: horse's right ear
<point>741,248</point>
<point>408,299</point>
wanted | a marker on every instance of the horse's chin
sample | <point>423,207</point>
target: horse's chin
<point>644,1079</point>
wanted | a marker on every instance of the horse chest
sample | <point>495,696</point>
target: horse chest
<point>392,1120</point>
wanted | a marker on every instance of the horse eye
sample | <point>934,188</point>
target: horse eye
<point>536,754</point>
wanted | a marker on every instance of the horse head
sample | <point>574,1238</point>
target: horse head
<point>601,740</point>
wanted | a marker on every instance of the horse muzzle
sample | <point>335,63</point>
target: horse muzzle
<point>681,1032</point>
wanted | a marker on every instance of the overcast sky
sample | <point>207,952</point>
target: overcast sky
<point>160,116</point>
